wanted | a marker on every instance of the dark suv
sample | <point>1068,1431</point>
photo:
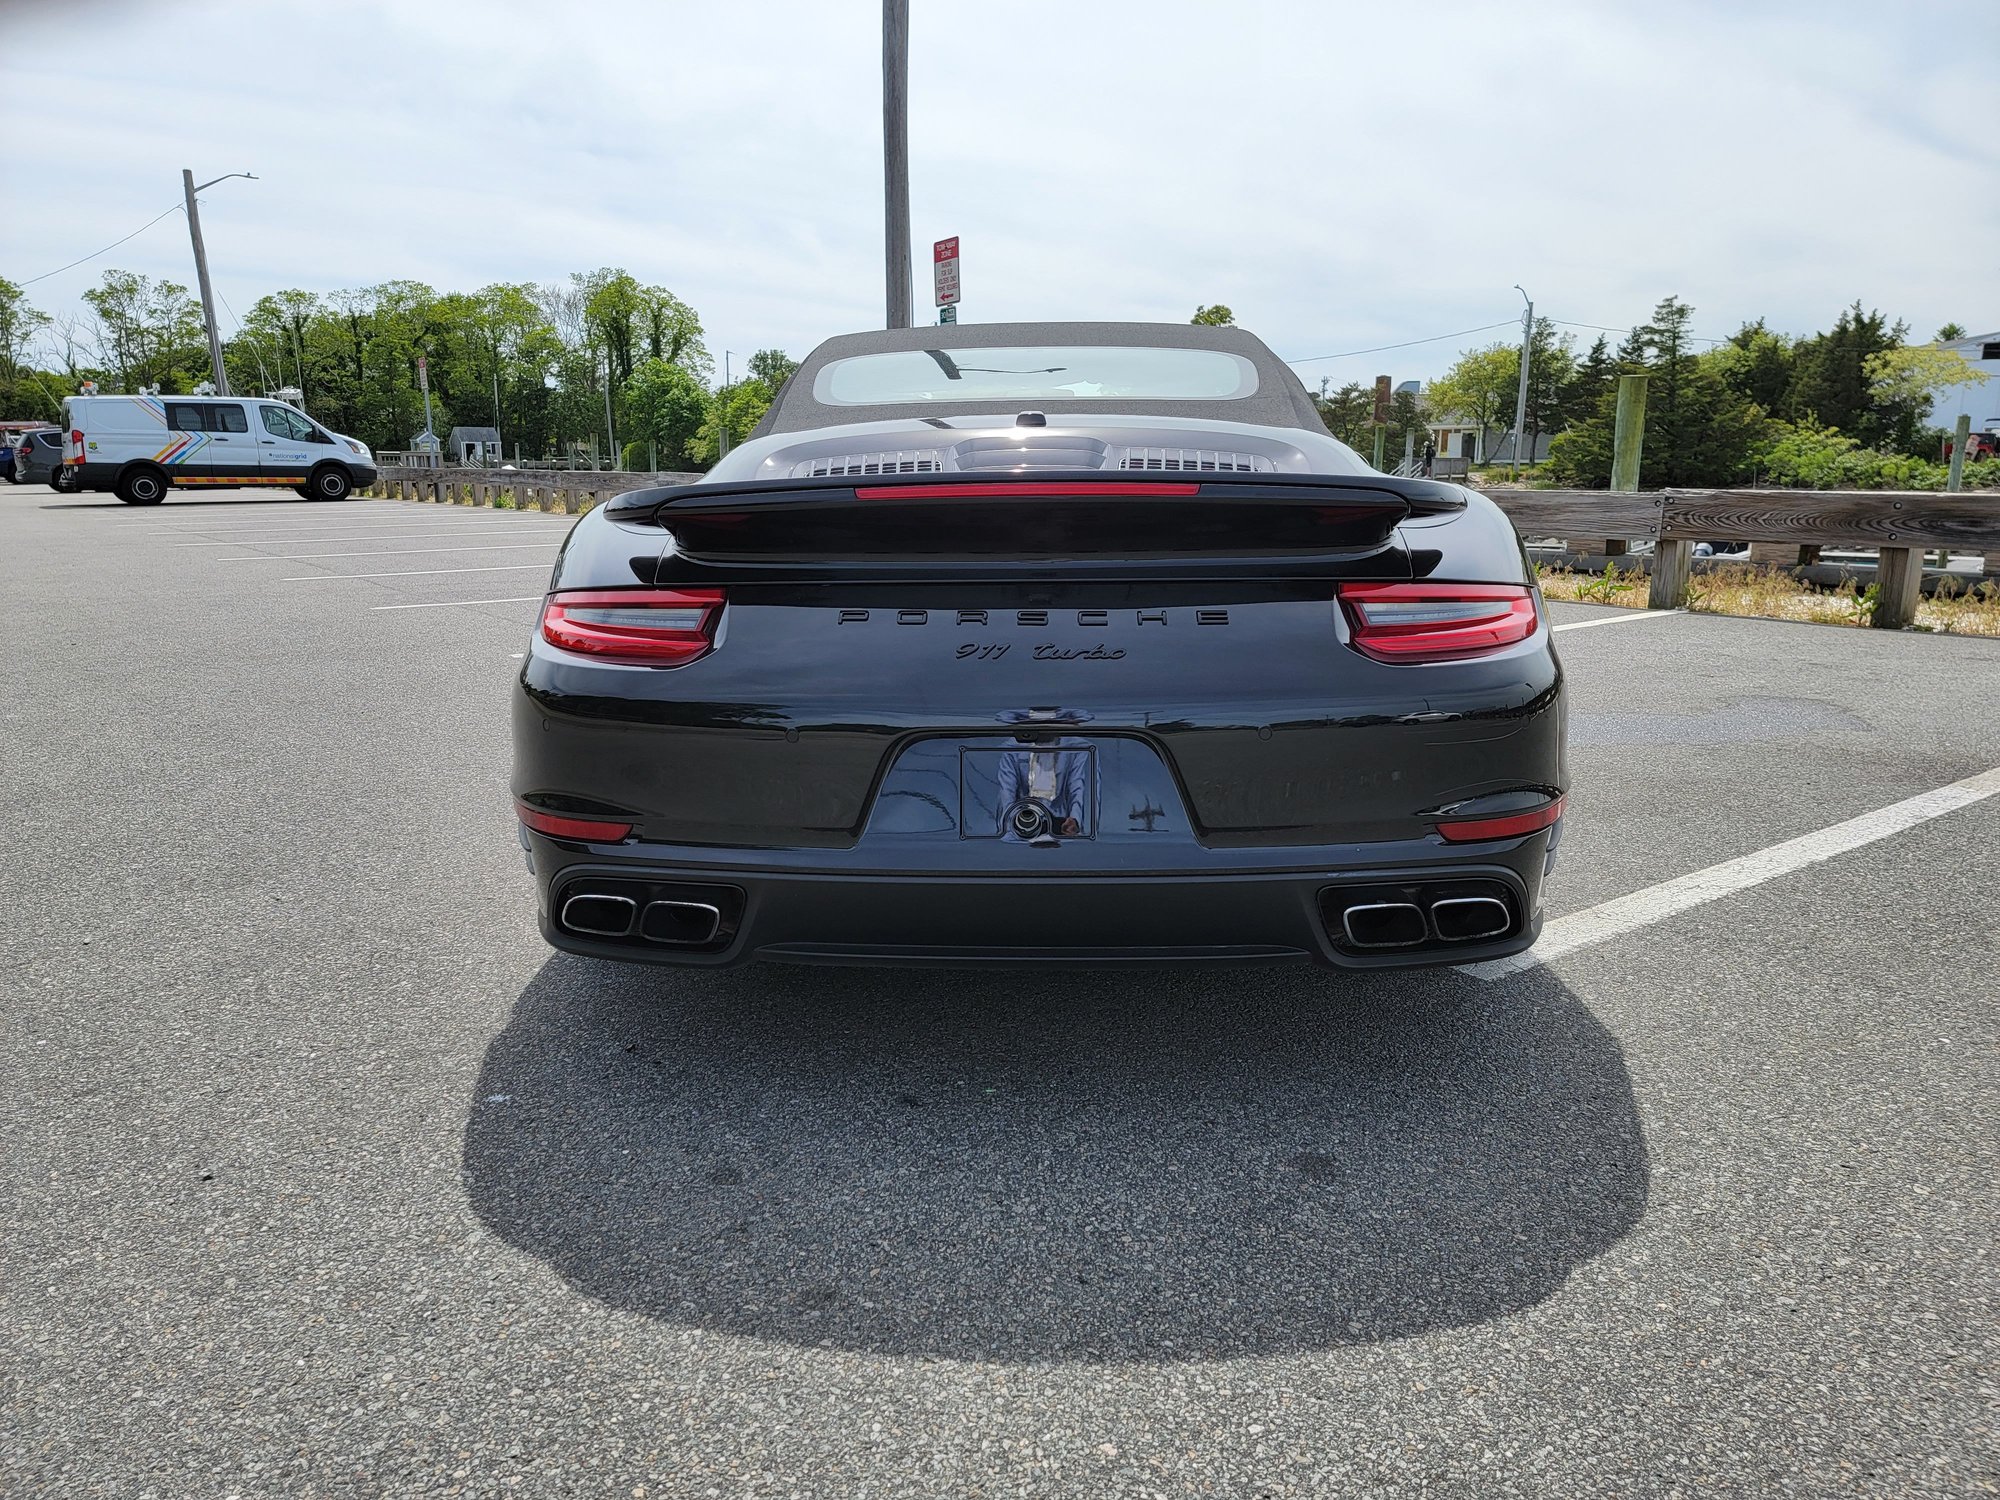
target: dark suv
<point>38,458</point>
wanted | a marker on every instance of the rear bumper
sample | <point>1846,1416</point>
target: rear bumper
<point>818,915</point>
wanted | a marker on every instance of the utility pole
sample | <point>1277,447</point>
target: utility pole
<point>722,411</point>
<point>610,437</point>
<point>219,375</point>
<point>896,158</point>
<point>1521,395</point>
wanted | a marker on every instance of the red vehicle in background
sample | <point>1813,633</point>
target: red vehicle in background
<point>1977,446</point>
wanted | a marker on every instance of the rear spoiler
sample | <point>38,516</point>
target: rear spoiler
<point>1037,524</point>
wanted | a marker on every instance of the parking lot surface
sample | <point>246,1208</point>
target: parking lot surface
<point>325,1177</point>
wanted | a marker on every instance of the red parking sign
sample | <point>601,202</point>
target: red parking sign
<point>944,270</point>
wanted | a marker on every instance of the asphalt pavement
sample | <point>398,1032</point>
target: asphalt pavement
<point>324,1177</point>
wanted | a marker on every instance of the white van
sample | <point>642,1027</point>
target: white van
<point>141,446</point>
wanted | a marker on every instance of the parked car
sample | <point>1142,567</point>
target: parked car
<point>37,458</point>
<point>1042,643</point>
<point>139,447</point>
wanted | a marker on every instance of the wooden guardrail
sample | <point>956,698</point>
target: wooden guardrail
<point>567,491</point>
<point>1902,524</point>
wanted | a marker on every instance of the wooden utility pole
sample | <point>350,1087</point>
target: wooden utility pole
<point>896,158</point>
<point>218,374</point>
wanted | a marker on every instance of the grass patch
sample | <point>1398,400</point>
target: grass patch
<point>1762,593</point>
<point>1613,586</point>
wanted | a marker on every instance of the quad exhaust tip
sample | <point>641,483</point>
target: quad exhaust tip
<point>1464,919</point>
<point>680,923</point>
<point>1419,919</point>
<point>600,916</point>
<point>1385,924</point>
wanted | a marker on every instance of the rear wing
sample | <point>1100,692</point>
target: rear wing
<point>1035,525</point>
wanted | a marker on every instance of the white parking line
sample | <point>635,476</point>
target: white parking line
<point>1620,619</point>
<point>453,603</point>
<point>396,535</point>
<point>1614,918</point>
<point>314,523</point>
<point>418,572</point>
<point>398,552</point>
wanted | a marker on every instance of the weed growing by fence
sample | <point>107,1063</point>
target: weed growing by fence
<point>1956,609</point>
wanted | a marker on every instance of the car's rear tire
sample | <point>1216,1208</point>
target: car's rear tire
<point>64,480</point>
<point>330,482</point>
<point>142,485</point>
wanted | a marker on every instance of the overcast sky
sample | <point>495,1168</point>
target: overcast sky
<point>1341,175</point>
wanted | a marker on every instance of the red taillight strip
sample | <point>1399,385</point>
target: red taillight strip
<point>1507,826</point>
<point>584,830</point>
<point>576,621</point>
<point>1079,489</point>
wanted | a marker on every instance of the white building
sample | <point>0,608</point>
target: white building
<point>1980,402</point>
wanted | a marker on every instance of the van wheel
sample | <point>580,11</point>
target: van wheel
<point>331,483</point>
<point>142,486</point>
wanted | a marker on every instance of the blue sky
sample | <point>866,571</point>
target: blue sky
<point>1341,175</point>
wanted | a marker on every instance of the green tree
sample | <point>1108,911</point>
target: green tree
<point>741,406</point>
<point>1951,333</point>
<point>148,333</point>
<point>1551,373</point>
<point>1479,388</point>
<point>1699,429</point>
<point>24,394</point>
<point>1590,378</point>
<point>1214,316</point>
<point>667,407</point>
<point>1832,384</point>
<point>773,366</point>
<point>1347,413</point>
<point>1759,364</point>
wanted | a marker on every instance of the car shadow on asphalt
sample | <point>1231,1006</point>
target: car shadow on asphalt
<point>1107,1165</point>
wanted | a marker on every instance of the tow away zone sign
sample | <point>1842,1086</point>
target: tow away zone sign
<point>944,270</point>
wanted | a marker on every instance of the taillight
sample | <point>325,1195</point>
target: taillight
<point>1420,622</point>
<point>76,446</point>
<point>638,627</point>
<point>583,830</point>
<point>1500,826</point>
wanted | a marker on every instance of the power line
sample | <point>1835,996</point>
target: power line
<point>1600,328</point>
<point>1382,348</point>
<point>177,208</point>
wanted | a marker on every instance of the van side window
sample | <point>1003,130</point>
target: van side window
<point>186,416</point>
<point>227,419</point>
<point>283,422</point>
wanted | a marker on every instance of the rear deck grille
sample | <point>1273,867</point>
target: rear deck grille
<point>905,461</point>
<point>1203,460</point>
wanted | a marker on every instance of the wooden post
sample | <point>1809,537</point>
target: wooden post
<point>1900,573</point>
<point>1628,437</point>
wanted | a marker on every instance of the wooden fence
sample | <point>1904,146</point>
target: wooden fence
<point>1901,524</point>
<point>568,491</point>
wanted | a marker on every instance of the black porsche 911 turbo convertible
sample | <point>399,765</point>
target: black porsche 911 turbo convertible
<point>1038,643</point>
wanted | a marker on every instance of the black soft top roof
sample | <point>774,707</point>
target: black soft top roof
<point>1280,400</point>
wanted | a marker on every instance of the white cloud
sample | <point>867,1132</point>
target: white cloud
<point>1341,176</point>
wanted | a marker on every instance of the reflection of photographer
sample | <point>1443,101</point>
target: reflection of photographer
<point>1044,791</point>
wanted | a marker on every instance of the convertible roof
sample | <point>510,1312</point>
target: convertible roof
<point>1279,400</point>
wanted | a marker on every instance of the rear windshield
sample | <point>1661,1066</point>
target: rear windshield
<point>1035,374</point>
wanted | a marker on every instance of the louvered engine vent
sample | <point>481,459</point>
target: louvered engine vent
<point>907,461</point>
<point>1204,460</point>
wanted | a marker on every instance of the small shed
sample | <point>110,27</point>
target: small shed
<point>474,445</point>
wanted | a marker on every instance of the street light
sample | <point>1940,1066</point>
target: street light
<point>201,272</point>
